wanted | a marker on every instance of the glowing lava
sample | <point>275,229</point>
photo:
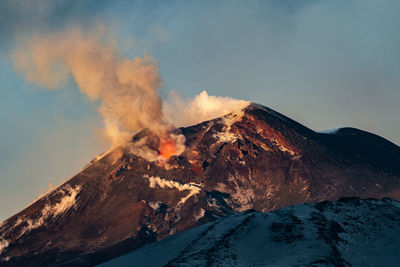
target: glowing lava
<point>167,149</point>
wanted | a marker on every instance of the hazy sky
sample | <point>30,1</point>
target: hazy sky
<point>323,63</point>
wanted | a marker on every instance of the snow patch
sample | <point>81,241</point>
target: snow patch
<point>242,193</point>
<point>329,131</point>
<point>67,201</point>
<point>230,119</point>
<point>226,136</point>
<point>285,149</point>
<point>154,205</point>
<point>163,183</point>
<point>212,203</point>
<point>199,215</point>
<point>18,222</point>
<point>281,147</point>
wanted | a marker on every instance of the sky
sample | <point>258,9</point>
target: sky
<point>326,64</point>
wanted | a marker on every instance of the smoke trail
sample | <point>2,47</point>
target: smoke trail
<point>127,88</point>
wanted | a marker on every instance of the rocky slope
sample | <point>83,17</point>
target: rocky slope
<point>349,232</point>
<point>256,159</point>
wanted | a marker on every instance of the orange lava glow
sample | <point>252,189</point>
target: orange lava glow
<point>167,149</point>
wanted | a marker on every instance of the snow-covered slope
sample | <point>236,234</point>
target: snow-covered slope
<point>349,232</point>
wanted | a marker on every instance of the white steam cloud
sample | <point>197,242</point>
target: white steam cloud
<point>186,112</point>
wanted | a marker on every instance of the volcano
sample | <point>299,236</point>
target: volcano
<point>254,159</point>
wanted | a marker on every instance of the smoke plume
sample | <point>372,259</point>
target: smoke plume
<point>127,90</point>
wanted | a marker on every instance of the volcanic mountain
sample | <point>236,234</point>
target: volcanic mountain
<point>253,159</point>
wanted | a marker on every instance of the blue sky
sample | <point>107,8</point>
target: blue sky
<point>323,63</point>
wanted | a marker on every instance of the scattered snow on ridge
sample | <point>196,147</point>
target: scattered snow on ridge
<point>154,205</point>
<point>163,183</point>
<point>282,147</point>
<point>67,201</point>
<point>241,194</point>
<point>200,215</point>
<point>232,118</point>
<point>226,136</point>
<point>329,131</point>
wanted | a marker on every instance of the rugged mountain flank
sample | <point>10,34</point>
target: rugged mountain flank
<point>255,159</point>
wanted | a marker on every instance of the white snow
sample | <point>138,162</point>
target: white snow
<point>285,149</point>
<point>329,131</point>
<point>67,201</point>
<point>17,222</point>
<point>154,205</point>
<point>242,193</point>
<point>230,119</point>
<point>48,211</point>
<point>160,253</point>
<point>226,136</point>
<point>282,147</point>
<point>200,215</point>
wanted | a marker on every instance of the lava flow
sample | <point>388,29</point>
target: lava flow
<point>167,149</point>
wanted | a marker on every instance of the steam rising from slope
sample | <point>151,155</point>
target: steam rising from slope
<point>193,188</point>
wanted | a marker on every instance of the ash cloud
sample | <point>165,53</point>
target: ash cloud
<point>127,89</point>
